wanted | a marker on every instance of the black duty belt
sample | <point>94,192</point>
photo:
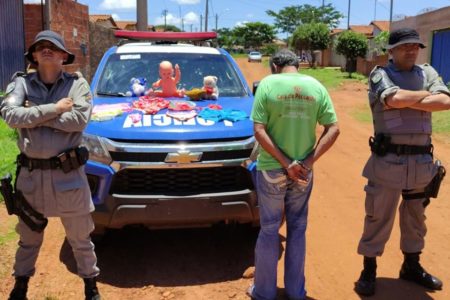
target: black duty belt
<point>68,160</point>
<point>409,149</point>
<point>36,163</point>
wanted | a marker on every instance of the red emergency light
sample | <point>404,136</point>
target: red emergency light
<point>165,36</point>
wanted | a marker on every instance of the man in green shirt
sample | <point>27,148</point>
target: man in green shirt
<point>287,108</point>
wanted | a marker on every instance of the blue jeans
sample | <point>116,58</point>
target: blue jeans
<point>278,195</point>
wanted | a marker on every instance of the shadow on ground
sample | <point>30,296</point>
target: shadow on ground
<point>137,257</point>
<point>394,288</point>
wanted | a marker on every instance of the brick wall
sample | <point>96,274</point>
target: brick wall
<point>71,20</point>
<point>364,66</point>
<point>33,22</point>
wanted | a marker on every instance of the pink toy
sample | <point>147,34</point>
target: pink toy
<point>167,83</point>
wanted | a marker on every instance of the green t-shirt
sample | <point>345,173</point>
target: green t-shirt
<point>291,105</point>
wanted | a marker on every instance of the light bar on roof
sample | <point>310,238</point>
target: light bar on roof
<point>165,36</point>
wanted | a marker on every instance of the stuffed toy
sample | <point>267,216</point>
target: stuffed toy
<point>167,83</point>
<point>137,87</point>
<point>210,88</point>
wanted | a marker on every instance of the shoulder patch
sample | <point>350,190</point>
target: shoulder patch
<point>10,88</point>
<point>18,74</point>
<point>376,77</point>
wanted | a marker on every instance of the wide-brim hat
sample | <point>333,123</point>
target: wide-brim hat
<point>55,39</point>
<point>404,36</point>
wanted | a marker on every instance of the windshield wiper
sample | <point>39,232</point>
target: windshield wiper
<point>111,94</point>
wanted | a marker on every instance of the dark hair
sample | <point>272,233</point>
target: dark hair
<point>283,58</point>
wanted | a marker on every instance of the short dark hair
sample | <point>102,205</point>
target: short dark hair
<point>283,58</point>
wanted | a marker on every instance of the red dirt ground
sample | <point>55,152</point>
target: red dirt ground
<point>209,263</point>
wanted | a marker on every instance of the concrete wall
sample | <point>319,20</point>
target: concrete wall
<point>101,39</point>
<point>425,24</point>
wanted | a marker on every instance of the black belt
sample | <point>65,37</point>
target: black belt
<point>36,163</point>
<point>68,160</point>
<point>409,149</point>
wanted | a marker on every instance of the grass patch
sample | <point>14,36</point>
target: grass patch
<point>441,120</point>
<point>331,78</point>
<point>8,149</point>
<point>239,55</point>
<point>10,234</point>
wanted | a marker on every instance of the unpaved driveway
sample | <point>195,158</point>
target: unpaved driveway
<point>208,263</point>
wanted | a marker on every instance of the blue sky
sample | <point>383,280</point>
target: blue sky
<point>234,12</point>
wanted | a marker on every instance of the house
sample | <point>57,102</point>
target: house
<point>434,30</point>
<point>103,20</point>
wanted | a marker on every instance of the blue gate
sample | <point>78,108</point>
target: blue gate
<point>12,40</point>
<point>440,54</point>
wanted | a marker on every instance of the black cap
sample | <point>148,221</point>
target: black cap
<point>404,36</point>
<point>55,39</point>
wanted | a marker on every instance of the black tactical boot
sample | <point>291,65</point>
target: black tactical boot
<point>19,291</point>
<point>90,289</point>
<point>366,283</point>
<point>413,271</point>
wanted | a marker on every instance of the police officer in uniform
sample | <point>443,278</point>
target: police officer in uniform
<point>50,109</point>
<point>402,97</point>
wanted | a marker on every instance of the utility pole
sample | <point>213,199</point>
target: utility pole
<point>375,11</point>
<point>182,24</point>
<point>47,15</point>
<point>206,16</point>
<point>201,22</point>
<point>141,15</point>
<point>217,20</point>
<point>390,14</point>
<point>191,26</point>
<point>165,18</point>
<point>323,3</point>
<point>348,14</point>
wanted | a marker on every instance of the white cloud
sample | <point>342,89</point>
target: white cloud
<point>118,4</point>
<point>250,16</point>
<point>191,18</point>
<point>241,23</point>
<point>182,2</point>
<point>116,17</point>
<point>170,19</point>
<point>34,1</point>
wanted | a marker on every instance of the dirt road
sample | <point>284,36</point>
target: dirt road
<point>209,263</point>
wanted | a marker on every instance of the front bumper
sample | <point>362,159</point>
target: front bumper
<point>158,211</point>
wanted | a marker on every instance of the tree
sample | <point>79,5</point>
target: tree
<point>167,28</point>
<point>254,34</point>
<point>352,45</point>
<point>290,17</point>
<point>381,41</point>
<point>225,38</point>
<point>311,37</point>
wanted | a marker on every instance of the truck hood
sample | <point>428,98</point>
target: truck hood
<point>164,128</point>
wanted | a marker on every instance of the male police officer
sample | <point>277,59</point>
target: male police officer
<point>50,109</point>
<point>402,96</point>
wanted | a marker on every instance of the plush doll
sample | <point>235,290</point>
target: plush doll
<point>167,83</point>
<point>210,88</point>
<point>137,87</point>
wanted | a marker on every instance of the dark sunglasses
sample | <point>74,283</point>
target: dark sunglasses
<point>40,47</point>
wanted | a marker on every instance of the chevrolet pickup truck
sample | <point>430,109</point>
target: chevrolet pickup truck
<point>158,171</point>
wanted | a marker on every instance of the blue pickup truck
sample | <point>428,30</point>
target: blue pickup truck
<point>161,172</point>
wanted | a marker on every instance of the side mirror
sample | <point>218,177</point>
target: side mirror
<point>255,87</point>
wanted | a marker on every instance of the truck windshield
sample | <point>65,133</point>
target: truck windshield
<point>120,68</point>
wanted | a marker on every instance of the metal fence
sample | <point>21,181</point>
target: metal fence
<point>12,40</point>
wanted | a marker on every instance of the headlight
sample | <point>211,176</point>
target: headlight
<point>97,150</point>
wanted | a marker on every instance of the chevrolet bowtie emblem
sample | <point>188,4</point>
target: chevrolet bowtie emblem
<point>183,157</point>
